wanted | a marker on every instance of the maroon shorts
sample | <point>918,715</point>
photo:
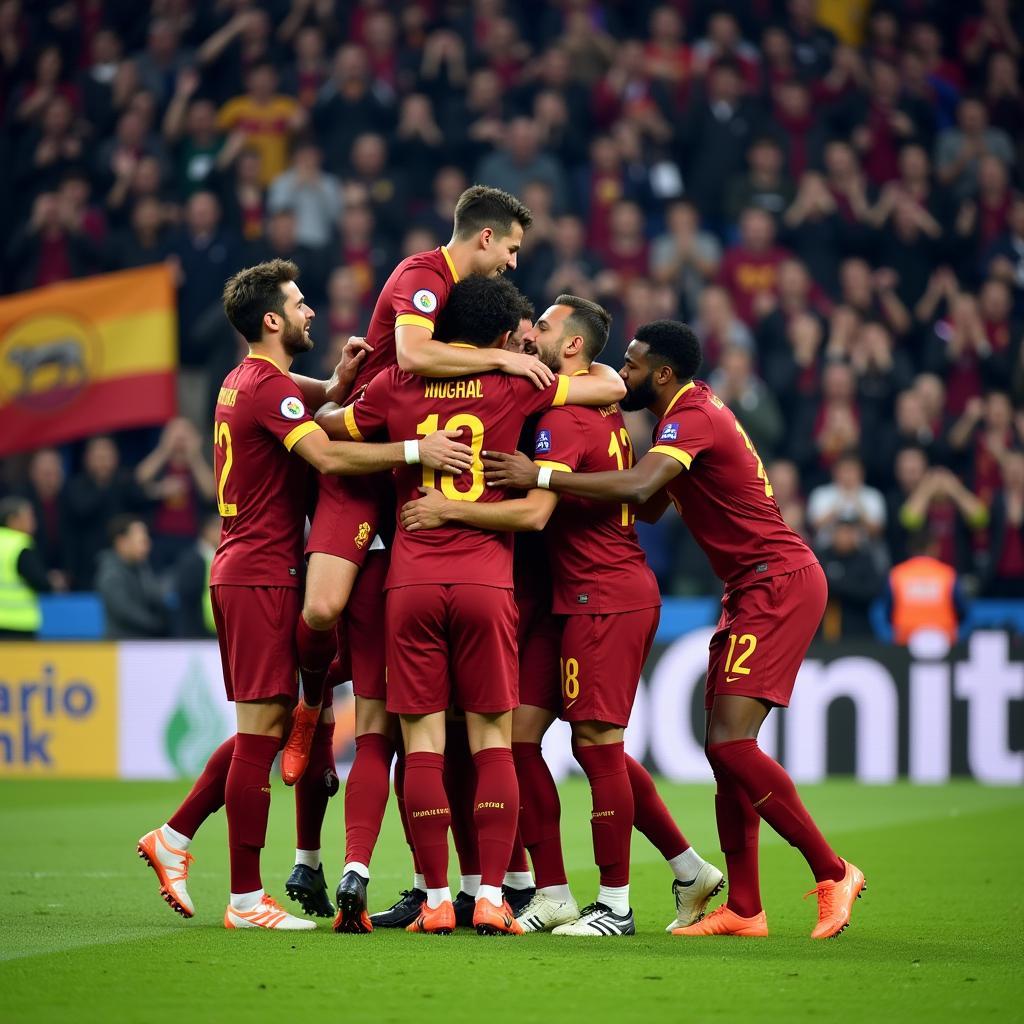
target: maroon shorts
<point>256,633</point>
<point>763,635</point>
<point>349,513</point>
<point>540,642</point>
<point>602,658</point>
<point>451,644</point>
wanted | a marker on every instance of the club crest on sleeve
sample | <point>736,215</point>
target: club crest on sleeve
<point>425,300</point>
<point>543,441</point>
<point>292,408</point>
<point>669,432</point>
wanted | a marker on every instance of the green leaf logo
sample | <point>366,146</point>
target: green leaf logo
<point>197,725</point>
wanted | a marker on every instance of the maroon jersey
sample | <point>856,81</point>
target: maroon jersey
<point>414,294</point>
<point>724,496</point>
<point>261,488</point>
<point>597,564</point>
<point>490,409</point>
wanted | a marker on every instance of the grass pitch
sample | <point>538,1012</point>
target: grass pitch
<point>938,936</point>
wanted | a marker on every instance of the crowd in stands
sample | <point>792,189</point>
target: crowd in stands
<point>829,191</point>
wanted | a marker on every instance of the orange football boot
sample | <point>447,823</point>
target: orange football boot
<point>269,914</point>
<point>171,867</point>
<point>295,755</point>
<point>723,921</point>
<point>437,921</point>
<point>835,902</point>
<point>491,920</point>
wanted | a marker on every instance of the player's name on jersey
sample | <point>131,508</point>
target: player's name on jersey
<point>227,396</point>
<point>471,388</point>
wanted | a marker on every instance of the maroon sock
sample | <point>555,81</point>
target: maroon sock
<point>247,801</point>
<point>540,813</point>
<point>316,648</point>
<point>496,811</point>
<point>366,795</point>
<point>426,804</point>
<point>403,814</point>
<point>738,826</point>
<point>517,858</point>
<point>318,784</point>
<point>460,785</point>
<point>611,820</point>
<point>206,796</point>
<point>650,815</point>
<point>774,797</point>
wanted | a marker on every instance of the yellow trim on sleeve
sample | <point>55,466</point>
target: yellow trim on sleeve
<point>545,464</point>
<point>562,391</point>
<point>414,320</point>
<point>350,423</point>
<point>294,436</point>
<point>673,453</point>
<point>451,264</point>
<point>460,344</point>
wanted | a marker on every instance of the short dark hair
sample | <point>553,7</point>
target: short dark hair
<point>479,310</point>
<point>254,291</point>
<point>10,507</point>
<point>675,344</point>
<point>121,524</point>
<point>591,321</point>
<point>481,206</point>
<point>526,310</point>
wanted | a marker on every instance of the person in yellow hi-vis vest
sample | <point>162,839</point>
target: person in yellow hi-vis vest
<point>925,596</point>
<point>22,573</point>
<point>192,583</point>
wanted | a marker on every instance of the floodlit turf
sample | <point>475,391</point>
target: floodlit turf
<point>84,935</point>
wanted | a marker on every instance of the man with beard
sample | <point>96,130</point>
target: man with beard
<point>256,578</point>
<point>775,593</point>
<point>605,606</point>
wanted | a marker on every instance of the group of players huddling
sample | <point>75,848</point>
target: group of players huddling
<point>463,644</point>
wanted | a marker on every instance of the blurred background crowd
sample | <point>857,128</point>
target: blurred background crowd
<point>828,190</point>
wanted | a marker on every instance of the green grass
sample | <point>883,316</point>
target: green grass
<point>85,936</point>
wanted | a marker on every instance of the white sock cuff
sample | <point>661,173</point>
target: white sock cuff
<point>519,879</point>
<point>435,897</point>
<point>174,839</point>
<point>686,864</point>
<point>358,867</point>
<point>311,858</point>
<point>469,884</point>
<point>246,900</point>
<point>562,893</point>
<point>614,897</point>
<point>491,893</point>
<point>419,882</point>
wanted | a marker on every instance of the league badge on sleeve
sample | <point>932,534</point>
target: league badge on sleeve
<point>543,443</point>
<point>292,408</point>
<point>669,432</point>
<point>425,300</point>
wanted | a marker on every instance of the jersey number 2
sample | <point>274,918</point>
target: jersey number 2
<point>448,488</point>
<point>222,439</point>
<point>761,474</point>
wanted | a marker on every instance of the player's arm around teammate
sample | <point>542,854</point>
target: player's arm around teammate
<point>774,599</point>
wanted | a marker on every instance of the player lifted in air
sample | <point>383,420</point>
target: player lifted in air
<point>487,233</point>
<point>775,592</point>
<point>261,426</point>
<point>451,618</point>
<point>606,607</point>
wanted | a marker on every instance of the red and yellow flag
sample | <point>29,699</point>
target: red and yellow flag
<point>86,357</point>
